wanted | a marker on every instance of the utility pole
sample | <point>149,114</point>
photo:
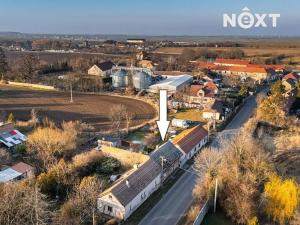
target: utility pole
<point>162,159</point>
<point>216,192</point>
<point>71,100</point>
<point>94,219</point>
<point>36,205</point>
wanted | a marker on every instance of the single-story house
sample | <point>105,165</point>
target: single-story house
<point>9,136</point>
<point>190,141</point>
<point>168,156</point>
<point>16,172</point>
<point>103,69</point>
<point>130,191</point>
<point>215,111</point>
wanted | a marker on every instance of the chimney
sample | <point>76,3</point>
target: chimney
<point>127,183</point>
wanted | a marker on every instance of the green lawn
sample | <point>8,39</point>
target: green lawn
<point>216,219</point>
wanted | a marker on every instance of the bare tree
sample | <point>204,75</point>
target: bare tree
<point>80,207</point>
<point>22,203</point>
<point>34,118</point>
<point>117,115</point>
<point>128,117</point>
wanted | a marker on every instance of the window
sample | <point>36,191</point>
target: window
<point>109,209</point>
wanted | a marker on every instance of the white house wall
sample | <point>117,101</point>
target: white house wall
<point>142,196</point>
<point>118,210</point>
<point>195,150</point>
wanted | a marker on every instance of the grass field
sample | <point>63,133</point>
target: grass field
<point>92,109</point>
<point>190,114</point>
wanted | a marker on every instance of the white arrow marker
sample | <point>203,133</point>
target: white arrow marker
<point>163,123</point>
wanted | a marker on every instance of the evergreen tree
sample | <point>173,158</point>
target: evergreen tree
<point>10,118</point>
<point>3,64</point>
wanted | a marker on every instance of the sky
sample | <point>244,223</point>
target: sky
<point>143,17</point>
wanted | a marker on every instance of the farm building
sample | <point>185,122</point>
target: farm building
<point>120,79</point>
<point>103,69</point>
<point>190,141</point>
<point>10,137</point>
<point>17,172</point>
<point>171,83</point>
<point>231,62</point>
<point>140,77</point>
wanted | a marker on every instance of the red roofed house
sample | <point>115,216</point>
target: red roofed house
<point>231,62</point>
<point>276,68</point>
<point>294,76</point>
<point>203,94</point>
<point>190,141</point>
<point>215,111</point>
<point>289,82</point>
<point>256,73</point>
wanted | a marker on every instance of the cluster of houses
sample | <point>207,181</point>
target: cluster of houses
<point>141,78</point>
<point>243,69</point>
<point>135,186</point>
<point>10,138</point>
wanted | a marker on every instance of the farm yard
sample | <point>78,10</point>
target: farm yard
<point>92,109</point>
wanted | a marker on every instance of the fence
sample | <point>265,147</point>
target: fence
<point>39,86</point>
<point>202,212</point>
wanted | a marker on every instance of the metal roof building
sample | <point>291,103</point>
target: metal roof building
<point>171,83</point>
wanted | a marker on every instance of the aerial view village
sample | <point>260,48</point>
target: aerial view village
<point>148,113</point>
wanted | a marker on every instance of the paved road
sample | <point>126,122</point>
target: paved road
<point>173,205</point>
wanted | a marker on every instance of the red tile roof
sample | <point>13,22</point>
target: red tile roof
<point>194,89</point>
<point>293,76</point>
<point>189,138</point>
<point>232,61</point>
<point>274,67</point>
<point>22,167</point>
<point>242,69</point>
<point>8,127</point>
<point>209,89</point>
